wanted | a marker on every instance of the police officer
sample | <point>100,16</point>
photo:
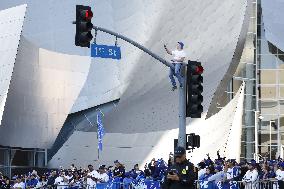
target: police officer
<point>180,175</point>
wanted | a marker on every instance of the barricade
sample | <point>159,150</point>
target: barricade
<point>115,185</point>
<point>262,184</point>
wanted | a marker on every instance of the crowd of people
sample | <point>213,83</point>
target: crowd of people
<point>74,177</point>
<point>221,173</point>
<point>230,174</point>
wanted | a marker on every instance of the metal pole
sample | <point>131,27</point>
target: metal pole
<point>45,157</point>
<point>256,114</point>
<point>165,62</point>
<point>270,139</point>
<point>278,136</point>
<point>182,112</point>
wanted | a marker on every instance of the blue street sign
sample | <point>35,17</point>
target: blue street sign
<point>104,51</point>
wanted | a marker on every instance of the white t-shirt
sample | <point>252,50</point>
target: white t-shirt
<point>91,182</point>
<point>201,172</point>
<point>69,177</point>
<point>230,173</point>
<point>104,177</point>
<point>280,175</point>
<point>178,55</point>
<point>19,185</point>
<point>41,184</point>
<point>250,176</point>
<point>60,182</point>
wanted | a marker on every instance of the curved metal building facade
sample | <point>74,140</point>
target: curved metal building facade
<point>52,78</point>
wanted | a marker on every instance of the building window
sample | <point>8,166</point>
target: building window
<point>268,92</point>
<point>268,76</point>
<point>267,61</point>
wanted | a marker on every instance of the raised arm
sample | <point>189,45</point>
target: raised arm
<point>168,51</point>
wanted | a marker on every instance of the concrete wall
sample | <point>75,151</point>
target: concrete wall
<point>11,23</point>
<point>220,132</point>
<point>44,87</point>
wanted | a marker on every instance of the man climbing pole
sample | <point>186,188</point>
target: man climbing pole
<point>178,59</point>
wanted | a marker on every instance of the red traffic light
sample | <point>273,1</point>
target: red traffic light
<point>199,69</point>
<point>89,15</point>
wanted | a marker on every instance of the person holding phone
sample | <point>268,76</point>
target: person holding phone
<point>179,56</point>
<point>181,174</point>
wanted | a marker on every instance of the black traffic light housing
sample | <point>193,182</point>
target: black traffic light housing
<point>192,141</point>
<point>194,89</point>
<point>84,26</point>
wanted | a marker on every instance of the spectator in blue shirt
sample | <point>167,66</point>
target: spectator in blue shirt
<point>32,182</point>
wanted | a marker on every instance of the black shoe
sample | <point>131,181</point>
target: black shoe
<point>181,86</point>
<point>174,88</point>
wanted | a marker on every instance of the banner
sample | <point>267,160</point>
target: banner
<point>101,131</point>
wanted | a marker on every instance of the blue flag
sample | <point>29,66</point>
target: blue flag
<point>101,131</point>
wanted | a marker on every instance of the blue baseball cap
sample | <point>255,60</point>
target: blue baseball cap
<point>252,162</point>
<point>116,161</point>
<point>219,168</point>
<point>181,44</point>
<point>281,164</point>
<point>179,151</point>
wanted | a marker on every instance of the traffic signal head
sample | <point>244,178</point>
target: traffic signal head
<point>194,90</point>
<point>192,141</point>
<point>84,26</point>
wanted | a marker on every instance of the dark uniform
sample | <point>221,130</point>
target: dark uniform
<point>186,175</point>
<point>119,170</point>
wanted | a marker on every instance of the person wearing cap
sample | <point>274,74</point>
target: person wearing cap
<point>19,184</point>
<point>280,175</point>
<point>119,170</point>
<point>233,171</point>
<point>110,171</point>
<point>69,175</point>
<point>208,173</point>
<point>103,176</point>
<point>135,171</point>
<point>180,175</point>
<point>5,183</point>
<point>251,176</point>
<point>201,169</point>
<point>32,182</point>
<point>219,175</point>
<point>41,182</point>
<point>171,159</point>
<point>51,179</point>
<point>76,181</point>
<point>179,57</point>
<point>92,177</point>
<point>61,182</point>
<point>152,166</point>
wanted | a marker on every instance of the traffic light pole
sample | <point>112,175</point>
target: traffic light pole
<point>182,97</point>
<point>182,111</point>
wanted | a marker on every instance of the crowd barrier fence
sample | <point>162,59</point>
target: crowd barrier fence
<point>263,184</point>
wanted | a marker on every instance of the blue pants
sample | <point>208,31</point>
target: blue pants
<point>176,72</point>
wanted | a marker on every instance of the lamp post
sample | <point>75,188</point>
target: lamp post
<point>257,118</point>
<point>270,130</point>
